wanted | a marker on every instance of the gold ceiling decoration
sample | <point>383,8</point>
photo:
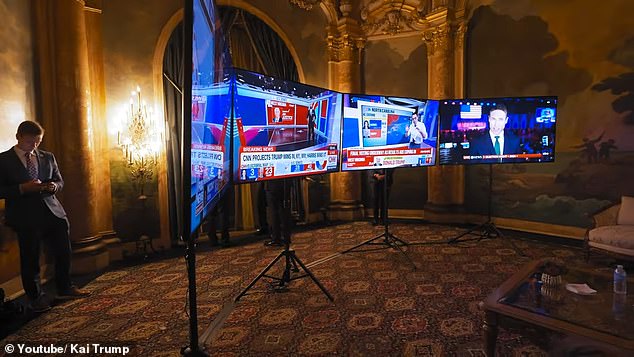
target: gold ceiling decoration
<point>305,4</point>
<point>392,17</point>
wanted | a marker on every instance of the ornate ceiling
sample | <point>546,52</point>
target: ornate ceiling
<point>376,19</point>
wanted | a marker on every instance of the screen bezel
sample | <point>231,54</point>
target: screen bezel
<point>503,100</point>
<point>235,152</point>
<point>435,154</point>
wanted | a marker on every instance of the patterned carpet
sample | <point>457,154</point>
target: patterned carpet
<point>382,306</point>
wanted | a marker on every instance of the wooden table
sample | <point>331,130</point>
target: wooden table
<point>523,298</point>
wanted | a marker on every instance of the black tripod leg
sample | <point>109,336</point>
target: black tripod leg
<point>262,273</point>
<point>393,237</point>
<point>310,274</point>
<point>457,239</point>
<point>513,245</point>
<point>397,246</point>
<point>363,243</point>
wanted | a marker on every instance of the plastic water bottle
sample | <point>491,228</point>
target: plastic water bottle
<point>620,280</point>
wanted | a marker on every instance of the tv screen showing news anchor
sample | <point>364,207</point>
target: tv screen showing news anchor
<point>498,130</point>
<point>285,129</point>
<point>388,132</point>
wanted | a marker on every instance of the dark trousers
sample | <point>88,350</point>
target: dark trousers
<point>279,210</point>
<point>262,223</point>
<point>378,200</point>
<point>54,232</point>
<point>219,215</point>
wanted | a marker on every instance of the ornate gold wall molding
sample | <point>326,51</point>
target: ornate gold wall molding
<point>345,47</point>
<point>305,4</point>
<point>438,39</point>
<point>393,17</point>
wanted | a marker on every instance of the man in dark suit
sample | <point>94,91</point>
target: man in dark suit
<point>381,177</point>
<point>277,202</point>
<point>496,140</point>
<point>312,119</point>
<point>29,180</point>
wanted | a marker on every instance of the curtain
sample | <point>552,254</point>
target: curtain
<point>254,46</point>
<point>173,93</point>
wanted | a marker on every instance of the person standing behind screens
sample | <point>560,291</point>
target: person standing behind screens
<point>496,140</point>
<point>381,177</point>
<point>279,211</point>
<point>416,132</point>
<point>29,180</point>
<point>312,118</point>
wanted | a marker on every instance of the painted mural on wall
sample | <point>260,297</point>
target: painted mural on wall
<point>547,48</point>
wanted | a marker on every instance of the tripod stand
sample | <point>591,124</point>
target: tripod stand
<point>388,239</point>
<point>291,261</point>
<point>487,229</point>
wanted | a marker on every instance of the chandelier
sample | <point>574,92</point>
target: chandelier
<point>140,139</point>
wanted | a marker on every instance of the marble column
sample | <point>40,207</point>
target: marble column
<point>344,69</point>
<point>65,110</point>
<point>446,184</point>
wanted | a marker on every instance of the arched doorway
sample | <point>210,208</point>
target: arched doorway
<point>254,46</point>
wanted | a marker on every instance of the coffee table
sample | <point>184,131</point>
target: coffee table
<point>603,318</point>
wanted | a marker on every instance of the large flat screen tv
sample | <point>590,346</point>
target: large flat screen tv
<point>387,132</point>
<point>498,130</point>
<point>211,90</point>
<point>284,128</point>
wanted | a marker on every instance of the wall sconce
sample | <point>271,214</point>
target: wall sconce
<point>140,138</point>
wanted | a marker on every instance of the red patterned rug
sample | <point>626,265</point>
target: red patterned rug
<point>382,306</point>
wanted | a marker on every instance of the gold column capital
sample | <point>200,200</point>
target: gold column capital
<point>459,35</point>
<point>345,41</point>
<point>438,39</point>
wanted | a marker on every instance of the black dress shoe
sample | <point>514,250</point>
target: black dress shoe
<point>273,243</point>
<point>261,231</point>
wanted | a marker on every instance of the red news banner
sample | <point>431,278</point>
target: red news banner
<point>508,156</point>
<point>364,157</point>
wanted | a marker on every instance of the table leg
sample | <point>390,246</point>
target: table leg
<point>490,332</point>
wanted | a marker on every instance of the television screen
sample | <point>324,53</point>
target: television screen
<point>210,112</point>
<point>497,130</point>
<point>388,132</point>
<point>285,129</point>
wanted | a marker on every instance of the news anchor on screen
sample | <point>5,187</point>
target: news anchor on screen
<point>416,132</point>
<point>496,140</point>
<point>277,115</point>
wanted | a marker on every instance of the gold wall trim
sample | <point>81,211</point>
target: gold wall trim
<point>92,9</point>
<point>241,4</point>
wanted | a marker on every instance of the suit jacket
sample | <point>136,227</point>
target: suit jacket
<point>483,145</point>
<point>389,176</point>
<point>20,207</point>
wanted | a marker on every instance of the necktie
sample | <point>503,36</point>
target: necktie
<point>30,166</point>
<point>497,145</point>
